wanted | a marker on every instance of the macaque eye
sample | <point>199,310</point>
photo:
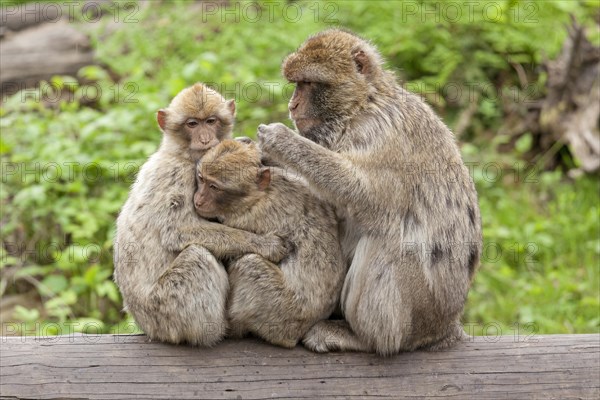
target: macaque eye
<point>214,187</point>
<point>191,123</point>
<point>200,178</point>
<point>211,120</point>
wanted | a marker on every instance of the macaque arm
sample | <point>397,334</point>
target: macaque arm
<point>222,241</point>
<point>334,176</point>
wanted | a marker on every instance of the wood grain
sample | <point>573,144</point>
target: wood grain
<point>128,366</point>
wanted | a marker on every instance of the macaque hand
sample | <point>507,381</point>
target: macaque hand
<point>273,248</point>
<point>271,135</point>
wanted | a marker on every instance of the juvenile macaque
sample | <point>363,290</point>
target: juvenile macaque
<point>167,257</point>
<point>276,302</point>
<point>410,223</point>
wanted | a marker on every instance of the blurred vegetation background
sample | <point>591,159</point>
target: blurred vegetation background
<point>68,160</point>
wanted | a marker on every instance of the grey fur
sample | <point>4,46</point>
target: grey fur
<point>409,218</point>
<point>166,257</point>
<point>280,303</point>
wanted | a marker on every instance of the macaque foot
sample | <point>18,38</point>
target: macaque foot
<point>326,336</point>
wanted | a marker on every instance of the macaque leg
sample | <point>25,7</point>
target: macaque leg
<point>333,335</point>
<point>377,320</point>
<point>188,300</point>
<point>261,303</point>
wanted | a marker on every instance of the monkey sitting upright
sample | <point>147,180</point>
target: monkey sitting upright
<point>278,303</point>
<point>166,257</point>
<point>409,219</point>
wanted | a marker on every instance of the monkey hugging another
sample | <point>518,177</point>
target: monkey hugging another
<point>383,214</point>
<point>279,303</point>
<point>168,259</point>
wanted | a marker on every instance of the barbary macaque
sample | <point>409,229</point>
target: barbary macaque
<point>408,210</point>
<point>167,258</point>
<point>279,303</point>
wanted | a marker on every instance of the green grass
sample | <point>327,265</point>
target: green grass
<point>540,266</point>
<point>67,168</point>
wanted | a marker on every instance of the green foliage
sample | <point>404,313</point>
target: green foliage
<point>539,270</point>
<point>452,52</point>
<point>67,166</point>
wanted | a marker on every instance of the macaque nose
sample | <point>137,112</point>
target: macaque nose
<point>293,106</point>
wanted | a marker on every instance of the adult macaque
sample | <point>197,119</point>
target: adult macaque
<point>278,303</point>
<point>410,223</point>
<point>166,257</point>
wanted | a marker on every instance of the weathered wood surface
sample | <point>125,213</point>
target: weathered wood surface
<point>40,53</point>
<point>107,366</point>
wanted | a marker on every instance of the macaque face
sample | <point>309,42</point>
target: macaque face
<point>302,106</point>
<point>223,189</point>
<point>203,133</point>
<point>332,74</point>
<point>201,119</point>
<point>229,180</point>
<point>213,198</point>
<point>311,110</point>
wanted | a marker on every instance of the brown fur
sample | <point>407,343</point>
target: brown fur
<point>279,303</point>
<point>166,257</point>
<point>409,219</point>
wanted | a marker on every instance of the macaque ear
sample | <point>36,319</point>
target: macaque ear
<point>161,117</point>
<point>264,178</point>
<point>363,64</point>
<point>231,106</point>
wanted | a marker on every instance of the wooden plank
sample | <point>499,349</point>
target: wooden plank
<point>128,366</point>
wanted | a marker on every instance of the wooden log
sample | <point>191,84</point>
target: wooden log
<point>16,17</point>
<point>40,53</point>
<point>128,366</point>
